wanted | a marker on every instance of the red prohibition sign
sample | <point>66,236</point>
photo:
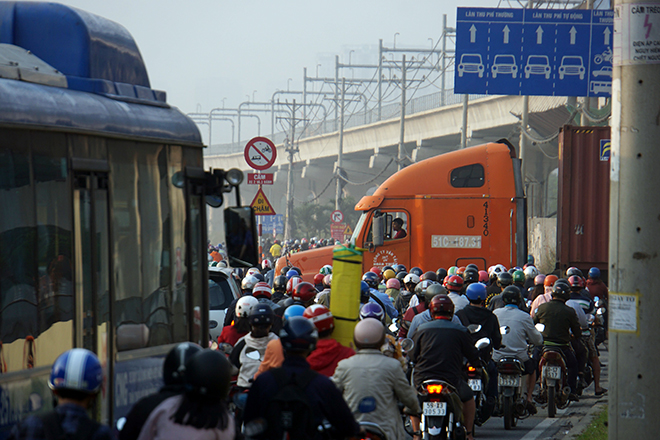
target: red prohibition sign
<point>260,153</point>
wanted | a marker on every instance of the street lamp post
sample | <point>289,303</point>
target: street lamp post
<point>395,39</point>
<point>288,81</point>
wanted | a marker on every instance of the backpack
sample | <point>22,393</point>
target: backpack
<point>52,423</point>
<point>289,413</point>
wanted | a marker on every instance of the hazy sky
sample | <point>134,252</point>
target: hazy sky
<point>201,51</point>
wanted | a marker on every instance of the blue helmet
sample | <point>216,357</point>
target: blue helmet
<point>294,310</point>
<point>476,292</point>
<point>372,310</point>
<point>594,272</point>
<point>76,369</point>
<point>292,273</point>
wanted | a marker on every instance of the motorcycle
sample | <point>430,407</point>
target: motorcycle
<point>510,392</point>
<point>478,378</point>
<point>554,378</point>
<point>600,323</point>
<point>442,416</point>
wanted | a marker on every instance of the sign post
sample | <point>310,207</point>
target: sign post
<point>260,154</point>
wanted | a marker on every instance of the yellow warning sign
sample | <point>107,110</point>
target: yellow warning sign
<point>261,205</point>
<point>348,230</point>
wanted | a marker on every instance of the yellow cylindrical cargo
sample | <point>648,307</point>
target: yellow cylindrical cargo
<point>345,291</point>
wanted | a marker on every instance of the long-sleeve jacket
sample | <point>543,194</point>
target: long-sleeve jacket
<point>521,332</point>
<point>559,320</point>
<point>371,381</point>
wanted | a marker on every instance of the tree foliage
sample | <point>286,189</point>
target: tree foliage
<point>313,219</point>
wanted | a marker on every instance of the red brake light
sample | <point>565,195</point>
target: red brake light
<point>434,389</point>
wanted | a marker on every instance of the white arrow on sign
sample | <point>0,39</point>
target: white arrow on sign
<point>506,31</point>
<point>607,34</point>
<point>539,35</point>
<point>573,32</point>
<point>473,34</point>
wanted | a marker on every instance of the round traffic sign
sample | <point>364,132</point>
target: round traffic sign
<point>260,153</point>
<point>337,216</point>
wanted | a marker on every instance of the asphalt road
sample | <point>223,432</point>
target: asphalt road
<point>542,427</point>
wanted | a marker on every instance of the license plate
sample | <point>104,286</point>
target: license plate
<point>475,384</point>
<point>435,408</point>
<point>509,381</point>
<point>552,372</point>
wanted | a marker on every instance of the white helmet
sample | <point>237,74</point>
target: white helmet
<point>499,269</point>
<point>244,306</point>
<point>252,271</point>
<point>266,264</point>
<point>411,278</point>
<point>248,282</point>
<point>531,272</point>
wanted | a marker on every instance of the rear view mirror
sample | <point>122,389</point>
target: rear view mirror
<point>241,236</point>
<point>378,228</point>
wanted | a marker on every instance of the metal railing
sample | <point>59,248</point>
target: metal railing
<point>356,119</point>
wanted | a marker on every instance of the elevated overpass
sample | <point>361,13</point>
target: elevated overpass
<point>370,150</point>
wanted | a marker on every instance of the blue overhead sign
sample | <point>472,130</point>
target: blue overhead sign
<point>534,52</point>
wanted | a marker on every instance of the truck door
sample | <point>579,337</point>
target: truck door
<point>396,246</point>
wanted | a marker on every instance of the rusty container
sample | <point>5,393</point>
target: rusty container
<point>583,198</point>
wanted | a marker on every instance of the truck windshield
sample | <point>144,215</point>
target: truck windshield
<point>358,228</point>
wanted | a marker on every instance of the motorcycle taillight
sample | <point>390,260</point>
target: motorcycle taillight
<point>508,368</point>
<point>434,389</point>
<point>471,369</point>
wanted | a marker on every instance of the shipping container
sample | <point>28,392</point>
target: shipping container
<point>583,198</point>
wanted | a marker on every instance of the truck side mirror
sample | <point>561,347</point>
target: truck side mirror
<point>378,228</point>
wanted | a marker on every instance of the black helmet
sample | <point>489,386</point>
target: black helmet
<point>472,266</point>
<point>440,274</point>
<point>399,268</point>
<point>573,271</point>
<point>511,295</point>
<point>297,269</point>
<point>471,276</point>
<point>284,270</point>
<point>401,275</point>
<point>298,334</point>
<point>433,290</point>
<point>429,276</point>
<point>561,290</point>
<point>174,367</point>
<point>371,279</point>
<point>259,277</point>
<point>422,286</point>
<point>261,314</point>
<point>417,271</point>
<point>279,283</point>
<point>504,279</point>
<point>208,373</point>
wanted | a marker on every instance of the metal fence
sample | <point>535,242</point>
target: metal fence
<point>356,119</point>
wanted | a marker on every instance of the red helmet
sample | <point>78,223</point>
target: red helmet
<point>261,290</point>
<point>576,281</point>
<point>304,292</point>
<point>393,283</point>
<point>318,278</point>
<point>460,270</point>
<point>483,276</point>
<point>441,305</point>
<point>550,280</point>
<point>321,317</point>
<point>454,283</point>
<point>377,271</point>
<point>292,283</point>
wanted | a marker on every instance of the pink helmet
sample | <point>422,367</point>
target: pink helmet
<point>539,279</point>
<point>393,283</point>
<point>369,332</point>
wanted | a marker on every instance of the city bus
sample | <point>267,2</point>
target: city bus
<point>102,211</point>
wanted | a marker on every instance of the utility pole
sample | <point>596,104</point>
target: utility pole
<point>336,90</point>
<point>380,78</point>
<point>402,124</point>
<point>340,183</point>
<point>291,149</point>
<point>464,128</point>
<point>634,240</point>
<point>444,59</point>
<point>586,102</point>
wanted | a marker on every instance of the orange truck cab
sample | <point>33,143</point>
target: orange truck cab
<point>465,206</point>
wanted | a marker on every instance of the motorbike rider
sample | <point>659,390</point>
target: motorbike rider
<point>240,326</point>
<point>413,311</point>
<point>504,279</point>
<point>561,325</point>
<point>595,285</point>
<point>548,284</point>
<point>279,288</point>
<point>372,281</point>
<point>477,313</point>
<point>425,316</point>
<point>328,352</point>
<point>530,273</point>
<point>323,297</point>
<point>372,384</point>
<point>521,333</point>
<point>75,380</point>
<point>299,337</point>
<point>402,302</point>
<point>454,285</point>
<point>439,348</point>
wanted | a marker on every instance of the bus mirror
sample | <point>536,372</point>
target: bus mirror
<point>241,235</point>
<point>378,228</point>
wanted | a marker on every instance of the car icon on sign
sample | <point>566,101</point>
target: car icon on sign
<point>504,64</point>
<point>471,63</point>
<point>603,71</point>
<point>538,65</point>
<point>571,65</point>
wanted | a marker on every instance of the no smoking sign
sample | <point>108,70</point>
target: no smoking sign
<point>260,153</point>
